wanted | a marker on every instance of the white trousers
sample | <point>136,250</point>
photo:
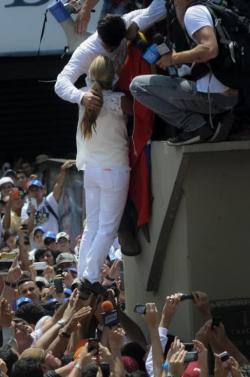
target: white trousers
<point>105,195</point>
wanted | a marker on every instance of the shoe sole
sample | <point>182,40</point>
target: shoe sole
<point>193,140</point>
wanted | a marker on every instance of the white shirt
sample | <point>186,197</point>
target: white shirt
<point>108,146</point>
<point>92,47</point>
<point>163,339</point>
<point>43,216</point>
<point>197,17</point>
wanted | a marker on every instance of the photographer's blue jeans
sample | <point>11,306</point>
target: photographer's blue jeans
<point>177,101</point>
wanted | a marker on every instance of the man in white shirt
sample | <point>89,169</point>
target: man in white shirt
<point>41,210</point>
<point>180,102</point>
<point>109,40</point>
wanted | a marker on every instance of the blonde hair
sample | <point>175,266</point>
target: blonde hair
<point>101,73</point>
<point>33,353</point>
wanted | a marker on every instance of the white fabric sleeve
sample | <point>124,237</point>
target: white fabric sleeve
<point>163,339</point>
<point>24,214</point>
<point>155,12</point>
<point>78,65</point>
<point>52,202</point>
<point>197,17</point>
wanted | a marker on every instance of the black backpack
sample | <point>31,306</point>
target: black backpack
<point>232,65</point>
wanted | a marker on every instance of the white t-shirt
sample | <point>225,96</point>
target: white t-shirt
<point>43,216</point>
<point>197,17</point>
<point>108,146</point>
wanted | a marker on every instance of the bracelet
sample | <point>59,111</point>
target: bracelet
<point>11,285</point>
<point>77,366</point>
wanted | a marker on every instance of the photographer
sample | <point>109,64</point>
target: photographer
<point>182,103</point>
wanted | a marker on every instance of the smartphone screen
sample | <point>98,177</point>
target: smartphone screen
<point>58,283</point>
<point>140,309</point>
<point>93,345</point>
<point>191,356</point>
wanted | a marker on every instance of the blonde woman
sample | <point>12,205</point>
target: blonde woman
<point>102,152</point>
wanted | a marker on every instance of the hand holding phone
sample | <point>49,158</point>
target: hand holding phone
<point>58,283</point>
<point>186,296</point>
<point>93,345</point>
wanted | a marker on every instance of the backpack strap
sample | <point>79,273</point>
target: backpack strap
<point>50,209</point>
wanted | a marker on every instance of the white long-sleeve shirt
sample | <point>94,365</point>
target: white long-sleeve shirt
<point>163,332</point>
<point>92,47</point>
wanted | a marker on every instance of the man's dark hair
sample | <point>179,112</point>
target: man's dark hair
<point>31,313</point>
<point>27,368</point>
<point>8,356</point>
<point>111,29</point>
<point>24,279</point>
<point>39,253</point>
<point>136,351</point>
<point>90,370</point>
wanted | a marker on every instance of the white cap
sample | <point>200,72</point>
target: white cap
<point>5,180</point>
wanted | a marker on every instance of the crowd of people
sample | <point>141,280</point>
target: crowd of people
<point>62,306</point>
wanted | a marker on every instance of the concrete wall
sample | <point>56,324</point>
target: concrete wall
<point>209,243</point>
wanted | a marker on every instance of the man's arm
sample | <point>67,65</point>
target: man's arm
<point>146,17</point>
<point>84,15</point>
<point>58,187</point>
<point>206,49</point>
<point>78,65</point>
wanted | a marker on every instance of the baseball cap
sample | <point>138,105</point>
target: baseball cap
<point>5,180</point>
<point>40,229</point>
<point>36,183</point>
<point>49,234</point>
<point>62,235</point>
<point>21,301</point>
<point>65,258</point>
<point>10,173</point>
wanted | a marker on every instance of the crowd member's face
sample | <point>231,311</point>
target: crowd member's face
<point>37,193</point>
<point>27,168</point>
<point>23,335</point>
<point>50,244</point>
<point>6,189</point>
<point>47,257</point>
<point>51,361</point>
<point>63,245</point>
<point>17,203</point>
<point>30,290</point>
<point>38,239</point>
<point>22,181</point>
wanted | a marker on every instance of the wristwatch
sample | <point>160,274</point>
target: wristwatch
<point>61,322</point>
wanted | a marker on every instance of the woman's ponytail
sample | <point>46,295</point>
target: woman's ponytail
<point>101,73</point>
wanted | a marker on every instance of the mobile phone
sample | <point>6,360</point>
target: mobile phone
<point>191,356</point>
<point>58,283</point>
<point>189,347</point>
<point>93,345</point>
<point>33,202</point>
<point>5,265</point>
<point>187,296</point>
<point>216,322</point>
<point>140,309</point>
<point>224,356</point>
<point>40,266</point>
